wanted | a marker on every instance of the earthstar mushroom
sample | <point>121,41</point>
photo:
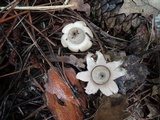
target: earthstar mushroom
<point>75,36</point>
<point>101,75</point>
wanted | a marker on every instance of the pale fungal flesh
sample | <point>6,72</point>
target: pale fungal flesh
<point>101,75</point>
<point>76,36</point>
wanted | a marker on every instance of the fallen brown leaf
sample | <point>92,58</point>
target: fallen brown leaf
<point>55,85</point>
<point>71,75</point>
<point>80,6</point>
<point>112,108</point>
<point>60,98</point>
<point>62,110</point>
<point>145,7</point>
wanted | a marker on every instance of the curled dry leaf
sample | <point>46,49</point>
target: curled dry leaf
<point>79,91</point>
<point>145,7</point>
<point>62,110</point>
<point>155,90</point>
<point>80,6</point>
<point>153,109</point>
<point>112,108</point>
<point>140,40</point>
<point>60,99</point>
<point>55,85</point>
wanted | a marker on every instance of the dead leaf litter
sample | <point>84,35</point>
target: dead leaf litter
<point>39,71</point>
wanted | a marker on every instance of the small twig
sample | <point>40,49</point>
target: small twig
<point>113,42</point>
<point>3,66</point>
<point>152,34</point>
<point>35,112</point>
<point>13,16</point>
<point>11,6</point>
<point>105,34</point>
<point>8,32</point>
<point>110,39</point>
<point>50,41</point>
<point>38,85</point>
<point>137,89</point>
<point>35,8</point>
<point>36,44</point>
<point>16,72</point>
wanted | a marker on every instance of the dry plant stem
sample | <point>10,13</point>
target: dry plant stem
<point>54,16</point>
<point>152,34</point>
<point>38,85</point>
<point>105,34</point>
<point>16,72</point>
<point>56,30</point>
<point>5,65</point>
<point>65,2</point>
<point>38,47</point>
<point>41,33</point>
<point>11,3</point>
<point>35,42</point>
<point>12,17</point>
<point>30,21</point>
<point>114,43</point>
<point>14,80</point>
<point>11,8</point>
<point>8,32</point>
<point>39,8</point>
<point>27,101</point>
<point>137,89</point>
<point>35,112</point>
<point>139,99</point>
<point>110,39</point>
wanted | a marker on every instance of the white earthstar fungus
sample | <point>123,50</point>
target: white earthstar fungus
<point>101,75</point>
<point>75,36</point>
